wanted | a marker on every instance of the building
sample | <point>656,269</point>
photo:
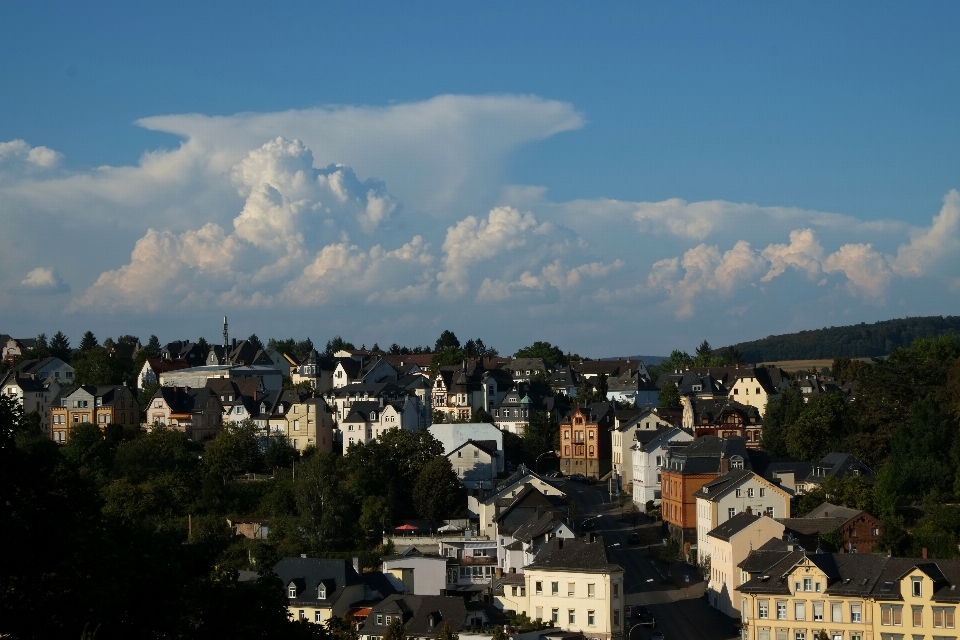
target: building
<point>422,616</point>
<point>489,508</point>
<point>585,441</point>
<point>272,379</point>
<point>573,584</point>
<point>196,412</point>
<point>319,588</point>
<point>735,492</point>
<point>851,596</point>
<point>153,367</point>
<point>624,436</point>
<point>31,394</point>
<point>46,368</point>
<point>729,544</point>
<point>418,573</point>
<point>112,404</point>
<point>649,459</point>
<point>858,531</point>
<point>454,435</point>
<point>838,465</point>
<point>687,469</point>
<point>476,463</point>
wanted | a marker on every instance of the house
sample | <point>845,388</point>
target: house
<point>851,596</point>
<point>14,348</point>
<point>632,384</point>
<point>31,394</point>
<point>271,379</point>
<point>648,459</point>
<point>730,419</point>
<point>367,420</point>
<point>46,368</point>
<point>573,584</point>
<point>585,441</point>
<point>838,465</point>
<point>524,525</point>
<point>186,351</point>
<point>422,616</point>
<point>492,505</point>
<point>342,399</point>
<point>305,421</point>
<point>859,531</point>
<point>729,545</point>
<point>563,381</point>
<point>196,412</point>
<point>153,367</point>
<point>517,407</point>
<point>317,589</point>
<point>736,491</point>
<point>454,435</point>
<point>524,369</point>
<point>623,437</point>
<point>316,370</point>
<point>417,573</point>
<point>459,391</point>
<point>362,369</point>
<point>749,385</point>
<point>687,469</point>
<point>111,404</point>
<point>476,463</point>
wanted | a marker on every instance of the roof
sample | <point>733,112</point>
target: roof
<point>716,488</point>
<point>733,526</point>
<point>421,615</point>
<point>828,509</point>
<point>308,573</point>
<point>812,526</point>
<point>581,555</point>
<point>487,446</point>
<point>704,455</point>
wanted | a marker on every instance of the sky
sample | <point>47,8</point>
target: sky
<point>614,178</point>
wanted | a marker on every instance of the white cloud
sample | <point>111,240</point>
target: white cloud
<point>804,253</point>
<point>44,280</point>
<point>19,150</point>
<point>866,269</point>
<point>929,246</point>
<point>554,275</point>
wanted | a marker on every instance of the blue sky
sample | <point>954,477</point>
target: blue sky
<point>615,178</point>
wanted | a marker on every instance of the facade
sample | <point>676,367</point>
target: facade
<point>648,460</point>
<point>454,435</point>
<point>489,508</point>
<point>574,585</point>
<point>585,441</point>
<point>476,463</point>
<point>623,437</point>
<point>368,420</point>
<point>852,597</point>
<point>196,412</point>
<point>113,404</point>
<point>729,545</point>
<point>732,419</point>
<point>306,422</point>
<point>272,379</point>
<point>737,491</point>
<point>422,616</point>
<point>418,573</point>
<point>47,368</point>
<point>31,394</point>
<point>318,588</point>
<point>859,530</point>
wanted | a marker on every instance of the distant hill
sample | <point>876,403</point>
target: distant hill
<point>855,341</point>
<point>647,360</point>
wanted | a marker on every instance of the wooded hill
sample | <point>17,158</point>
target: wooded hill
<point>855,341</point>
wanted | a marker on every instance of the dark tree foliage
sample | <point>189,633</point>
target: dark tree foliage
<point>337,344</point>
<point>551,354</point>
<point>669,396</point>
<point>60,346</point>
<point>89,341</point>
<point>255,341</point>
<point>298,350</point>
<point>96,366</point>
<point>856,341</point>
<point>437,493</point>
<point>447,339</point>
<point>781,413</point>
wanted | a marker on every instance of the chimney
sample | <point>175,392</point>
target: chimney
<point>724,465</point>
<point>826,514</point>
<point>356,564</point>
<point>923,553</point>
<point>499,572</point>
<point>749,511</point>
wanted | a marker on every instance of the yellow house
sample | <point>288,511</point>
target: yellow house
<point>851,597</point>
<point>575,586</point>
<point>317,589</point>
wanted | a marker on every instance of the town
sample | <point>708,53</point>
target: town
<point>448,490</point>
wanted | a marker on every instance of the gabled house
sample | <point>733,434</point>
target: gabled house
<point>31,393</point>
<point>196,412</point>
<point>366,420</point>
<point>342,399</point>
<point>490,506</point>
<point>728,418</point>
<point>460,391</point>
<point>585,441</point>
<point>14,348</point>
<point>838,465</point>
<point>523,369</point>
<point>304,420</point>
<point>623,437</point>
<point>422,616</point>
<point>476,463</point>
<point>454,435</point>
<point>111,404</point>
<point>859,530</point>
<point>417,573</point>
<point>315,369</point>
<point>46,368</point>
<point>153,367</point>
<point>362,369</point>
<point>516,408</point>
<point>318,589</point>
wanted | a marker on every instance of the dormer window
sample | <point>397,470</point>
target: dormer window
<point>292,591</point>
<point>736,462</point>
<point>321,592</point>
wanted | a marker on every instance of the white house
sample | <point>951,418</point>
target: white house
<point>417,573</point>
<point>624,436</point>
<point>453,436</point>
<point>476,463</point>
<point>648,459</point>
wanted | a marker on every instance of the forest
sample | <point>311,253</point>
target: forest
<point>855,341</point>
<point>904,423</point>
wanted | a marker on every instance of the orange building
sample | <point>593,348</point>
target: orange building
<point>113,404</point>
<point>688,467</point>
<point>585,441</point>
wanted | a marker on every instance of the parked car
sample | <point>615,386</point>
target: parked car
<point>633,538</point>
<point>578,477</point>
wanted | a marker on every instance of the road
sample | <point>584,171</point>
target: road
<point>672,593</point>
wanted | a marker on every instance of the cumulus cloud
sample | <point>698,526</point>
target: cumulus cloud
<point>930,246</point>
<point>705,270</point>
<point>866,269</point>
<point>554,275</point>
<point>472,240</point>
<point>44,280</point>
<point>21,152</point>
<point>804,253</point>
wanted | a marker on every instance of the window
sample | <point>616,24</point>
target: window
<point>836,612</point>
<point>763,634</point>
<point>388,619</point>
<point>800,635</point>
<point>781,611</point>
<point>379,618</point>
<point>875,532</point>
<point>799,610</point>
<point>855,611</point>
<point>916,587</point>
<point>296,425</point>
<point>739,492</point>
<point>943,617</point>
<point>591,618</point>
<point>538,586</point>
<point>303,614</point>
<point>891,614</point>
<point>732,511</point>
<point>616,589</point>
<point>808,584</point>
<point>571,616</point>
<point>292,591</point>
<point>763,609</point>
<point>566,435</point>
<point>591,590</point>
<point>762,492</point>
<point>818,612</point>
<point>321,592</point>
<point>539,613</point>
<point>750,492</point>
<point>918,616</point>
<point>616,617</point>
<point>476,453</point>
<point>317,616</point>
<point>769,510</point>
<point>571,589</point>
<point>817,587</point>
<point>554,588</point>
<point>555,615</point>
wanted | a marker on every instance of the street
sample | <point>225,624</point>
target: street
<point>672,593</point>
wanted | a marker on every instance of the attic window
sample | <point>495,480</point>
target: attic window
<point>292,591</point>
<point>321,592</point>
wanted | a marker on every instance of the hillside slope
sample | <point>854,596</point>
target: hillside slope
<point>861,340</point>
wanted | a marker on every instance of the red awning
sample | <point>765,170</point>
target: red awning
<point>406,527</point>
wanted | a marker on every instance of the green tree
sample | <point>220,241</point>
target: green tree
<point>40,350</point>
<point>235,449</point>
<point>446,633</point>
<point>95,366</point>
<point>499,634</point>
<point>669,396</point>
<point>448,339</point>
<point>449,356</point>
<point>551,354</point>
<point>819,428</point>
<point>89,341</point>
<point>437,492</point>
<point>146,352</point>
<point>337,344</point>
<point>60,346</point>
<point>279,453</point>
<point>781,413</point>
<point>395,630</point>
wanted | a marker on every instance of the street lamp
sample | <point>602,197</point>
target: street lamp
<point>537,462</point>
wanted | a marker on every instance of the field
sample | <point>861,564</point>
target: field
<point>806,365</point>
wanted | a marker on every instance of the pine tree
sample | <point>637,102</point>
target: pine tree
<point>60,346</point>
<point>89,341</point>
